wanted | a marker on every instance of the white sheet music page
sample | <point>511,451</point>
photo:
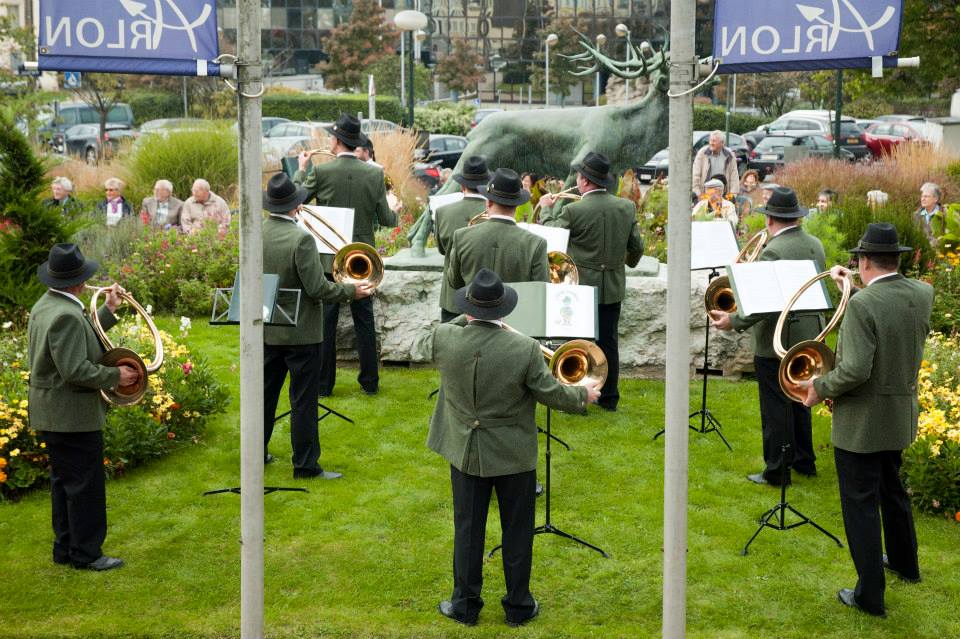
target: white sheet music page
<point>712,244</point>
<point>792,274</point>
<point>340,217</point>
<point>557,238</point>
<point>570,311</point>
<point>766,287</point>
<point>436,201</point>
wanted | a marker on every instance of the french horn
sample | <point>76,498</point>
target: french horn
<point>812,358</point>
<point>577,362</point>
<point>719,294</point>
<point>563,270</point>
<point>353,262</point>
<point>120,356</point>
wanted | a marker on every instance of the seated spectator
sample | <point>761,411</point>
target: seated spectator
<point>751,195</point>
<point>877,199</point>
<point>163,209</point>
<point>62,196</point>
<point>931,215</point>
<point>826,200</point>
<point>713,205</point>
<point>766,191</point>
<point>201,206</point>
<point>114,206</point>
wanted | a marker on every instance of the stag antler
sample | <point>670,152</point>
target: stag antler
<point>640,62</point>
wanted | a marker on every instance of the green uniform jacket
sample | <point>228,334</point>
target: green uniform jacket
<point>603,237</point>
<point>350,183</point>
<point>450,218</point>
<point>491,379</point>
<point>874,383</point>
<point>791,244</point>
<point>512,253</point>
<point>291,253</point>
<point>65,381</point>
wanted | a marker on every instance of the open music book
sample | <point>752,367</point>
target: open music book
<point>557,238</point>
<point>340,217</point>
<point>554,310</point>
<point>766,287</point>
<point>436,201</point>
<point>712,245</point>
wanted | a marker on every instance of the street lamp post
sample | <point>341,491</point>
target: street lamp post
<point>601,40</point>
<point>624,32</point>
<point>551,39</point>
<point>409,21</point>
<point>496,63</point>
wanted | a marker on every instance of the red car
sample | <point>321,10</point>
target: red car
<point>883,136</point>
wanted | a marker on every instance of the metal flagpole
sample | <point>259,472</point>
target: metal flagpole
<point>684,64</point>
<point>251,322</point>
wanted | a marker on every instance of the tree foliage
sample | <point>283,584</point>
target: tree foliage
<point>772,93</point>
<point>102,91</point>
<point>562,79</point>
<point>386,76</point>
<point>356,45</point>
<point>461,69</point>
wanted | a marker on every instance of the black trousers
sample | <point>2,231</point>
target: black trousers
<point>77,495</point>
<point>303,364</point>
<point>782,420</point>
<point>872,494</point>
<point>446,316</point>
<point>608,316</point>
<point>516,495</point>
<point>366,335</point>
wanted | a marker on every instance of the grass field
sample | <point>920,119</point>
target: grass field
<point>370,555</point>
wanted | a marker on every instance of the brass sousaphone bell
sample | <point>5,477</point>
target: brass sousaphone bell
<point>719,295</point>
<point>353,262</point>
<point>575,363</point>
<point>809,359</point>
<point>119,356</point>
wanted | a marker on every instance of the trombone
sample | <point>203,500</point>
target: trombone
<point>574,363</point>
<point>119,356</point>
<point>809,359</point>
<point>353,262</point>
<point>719,294</point>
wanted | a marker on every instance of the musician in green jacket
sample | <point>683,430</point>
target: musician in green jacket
<point>498,244</point>
<point>350,183</point>
<point>457,215</point>
<point>604,237</point>
<point>291,253</point>
<point>875,411</point>
<point>781,419</point>
<point>491,380</point>
<point>65,406</point>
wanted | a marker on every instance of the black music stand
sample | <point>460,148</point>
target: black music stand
<point>547,527</point>
<point>708,422</point>
<point>779,511</point>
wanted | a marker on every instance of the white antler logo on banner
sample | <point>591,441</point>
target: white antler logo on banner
<point>138,10</point>
<point>815,14</point>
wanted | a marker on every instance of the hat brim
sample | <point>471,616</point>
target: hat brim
<point>507,303</point>
<point>470,183</point>
<point>608,181</point>
<point>356,142</point>
<point>89,268</point>
<point>286,204</point>
<point>522,198</point>
<point>857,250</point>
<point>789,214</point>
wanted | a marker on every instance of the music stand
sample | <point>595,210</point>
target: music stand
<point>713,244</point>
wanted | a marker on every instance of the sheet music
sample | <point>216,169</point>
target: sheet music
<point>570,311</point>
<point>436,201</point>
<point>340,217</point>
<point>712,244</point>
<point>557,238</point>
<point>766,287</point>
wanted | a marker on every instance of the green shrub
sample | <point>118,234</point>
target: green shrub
<point>182,157</point>
<point>653,222</point>
<point>153,105</point>
<point>445,117</point>
<point>326,108</point>
<point>713,118</point>
<point>835,246</point>
<point>945,279</point>
<point>856,215</point>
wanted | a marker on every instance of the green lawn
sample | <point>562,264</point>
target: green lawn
<point>370,555</point>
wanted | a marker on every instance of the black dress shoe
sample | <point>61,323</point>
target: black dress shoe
<point>900,575</point>
<point>446,609</point>
<point>810,474</point>
<point>539,489</point>
<point>101,563</point>
<point>758,478</point>
<point>848,598</point>
<point>369,391</point>
<point>608,407</point>
<point>63,561</point>
<point>533,613</point>
<point>319,473</point>
<point>267,459</point>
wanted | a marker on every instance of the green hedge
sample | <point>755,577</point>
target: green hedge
<point>712,118</point>
<point>153,105</point>
<point>326,108</point>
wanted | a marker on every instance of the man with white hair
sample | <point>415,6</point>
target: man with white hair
<point>202,205</point>
<point>715,159</point>
<point>163,209</point>
<point>62,199</point>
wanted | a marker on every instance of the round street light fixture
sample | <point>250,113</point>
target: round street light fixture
<point>601,39</point>
<point>621,29</point>
<point>552,39</point>
<point>410,20</point>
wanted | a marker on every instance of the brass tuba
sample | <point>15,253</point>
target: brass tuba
<point>719,295</point>
<point>563,270</point>
<point>117,356</point>
<point>353,262</point>
<point>575,363</point>
<point>809,359</point>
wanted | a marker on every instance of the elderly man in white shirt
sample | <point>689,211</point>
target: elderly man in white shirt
<point>201,206</point>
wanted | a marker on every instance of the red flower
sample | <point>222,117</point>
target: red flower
<point>186,367</point>
<point>171,434</point>
<point>174,406</point>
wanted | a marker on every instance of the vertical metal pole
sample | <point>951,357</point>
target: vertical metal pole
<point>251,322</point>
<point>185,112</point>
<point>677,401</point>
<point>403,66</point>
<point>836,124</point>
<point>626,81</point>
<point>546,97</point>
<point>410,83</point>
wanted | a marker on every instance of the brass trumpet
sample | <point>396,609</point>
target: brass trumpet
<point>719,295</point>
<point>575,363</point>
<point>353,262</point>
<point>809,359</point>
<point>118,356</point>
<point>562,195</point>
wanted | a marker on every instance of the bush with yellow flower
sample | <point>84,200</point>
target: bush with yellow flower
<point>182,396</point>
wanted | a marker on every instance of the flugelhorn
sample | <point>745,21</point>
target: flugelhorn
<point>562,195</point>
<point>353,262</point>
<point>119,356</point>
<point>563,270</point>
<point>719,295</point>
<point>809,359</point>
<point>574,363</point>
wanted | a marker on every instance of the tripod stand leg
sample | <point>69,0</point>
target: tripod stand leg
<point>329,411</point>
<point>764,523</point>
<point>807,520</point>
<point>715,428</point>
<point>547,529</point>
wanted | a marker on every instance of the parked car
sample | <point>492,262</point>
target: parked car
<point>428,173</point>
<point>266,123</point>
<point>883,136</point>
<point>298,129</point>
<point>446,149</point>
<point>770,154</point>
<point>480,114</point>
<point>659,165</point>
<point>656,167</point>
<point>74,113</point>
<point>901,118</point>
<point>378,126</point>
<point>83,140</point>
<point>822,122</point>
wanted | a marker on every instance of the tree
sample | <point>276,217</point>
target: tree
<point>462,69</point>
<point>562,79</point>
<point>386,77</point>
<point>102,91</point>
<point>353,47</point>
<point>772,93</point>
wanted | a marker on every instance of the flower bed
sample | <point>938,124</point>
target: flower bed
<point>182,397</point>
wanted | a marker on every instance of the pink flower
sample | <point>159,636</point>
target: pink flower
<point>187,367</point>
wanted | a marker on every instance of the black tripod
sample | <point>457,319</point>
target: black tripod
<point>708,423</point>
<point>779,511</point>
<point>327,411</point>
<point>547,527</point>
